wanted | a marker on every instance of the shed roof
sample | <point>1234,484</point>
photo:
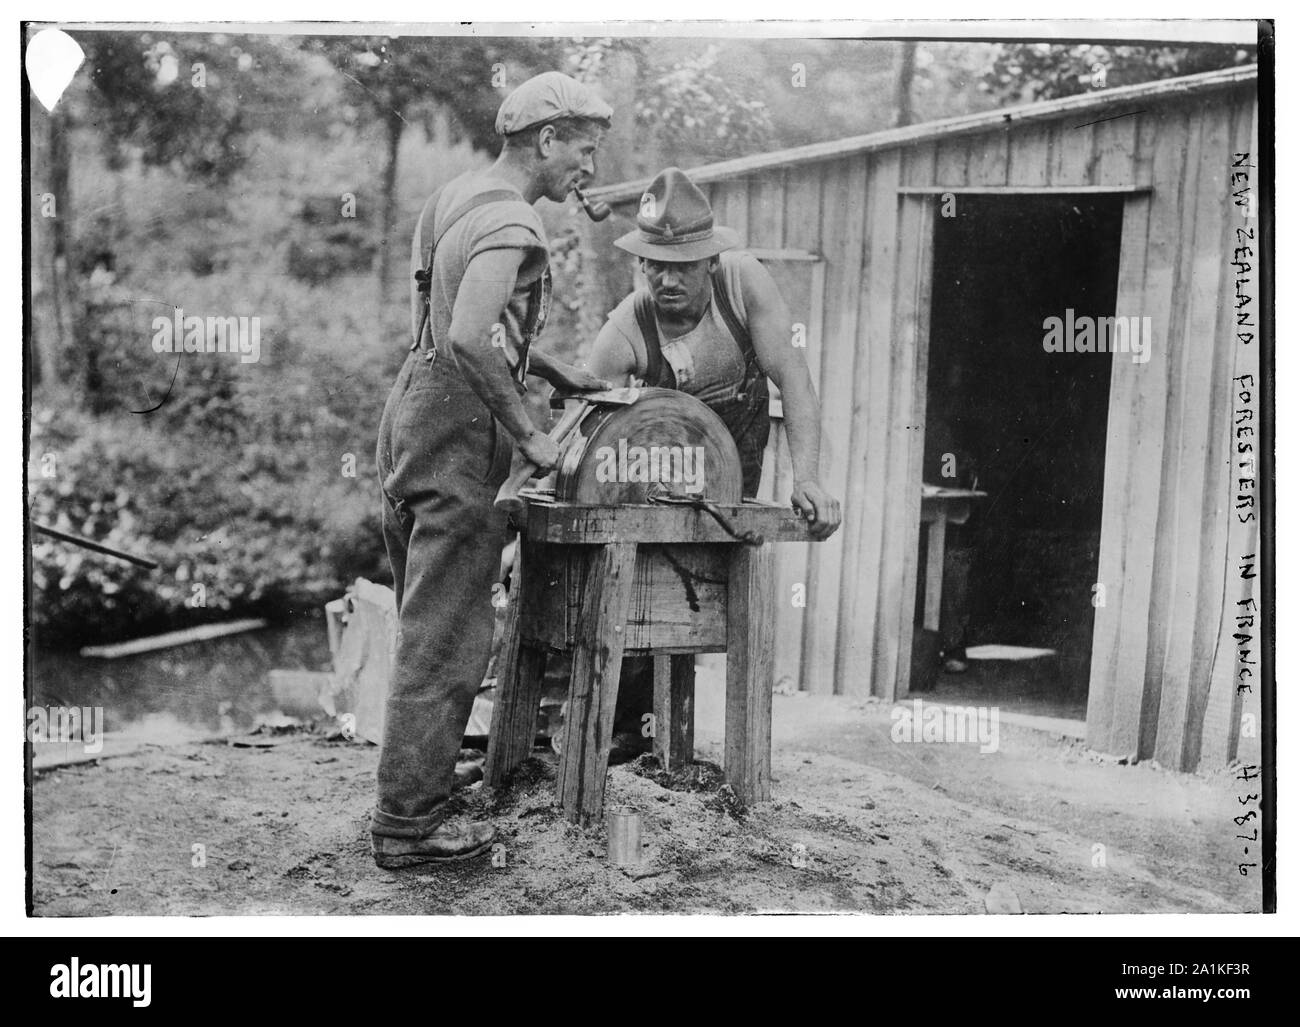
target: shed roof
<point>966,124</point>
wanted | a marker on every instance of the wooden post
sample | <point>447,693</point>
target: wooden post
<point>750,635</point>
<point>674,710</point>
<point>520,670</point>
<point>514,713</point>
<point>593,686</point>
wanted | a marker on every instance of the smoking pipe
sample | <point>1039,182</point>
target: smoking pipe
<point>597,210</point>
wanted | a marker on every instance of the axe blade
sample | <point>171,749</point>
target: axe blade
<point>607,397</point>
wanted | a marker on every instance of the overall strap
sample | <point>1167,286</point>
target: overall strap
<point>746,417</point>
<point>656,368</point>
<point>424,275</point>
<point>738,331</point>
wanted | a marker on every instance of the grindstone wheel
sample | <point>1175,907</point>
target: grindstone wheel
<point>666,439</point>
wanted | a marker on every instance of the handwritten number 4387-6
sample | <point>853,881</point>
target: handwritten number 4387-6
<point>1246,774</point>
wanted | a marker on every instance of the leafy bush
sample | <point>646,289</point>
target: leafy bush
<point>255,480</point>
<point>260,534</point>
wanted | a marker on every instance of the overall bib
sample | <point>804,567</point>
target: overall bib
<point>742,406</point>
<point>441,458</point>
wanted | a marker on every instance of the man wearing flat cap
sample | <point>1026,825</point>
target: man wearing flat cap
<point>479,299</point>
<point>711,323</point>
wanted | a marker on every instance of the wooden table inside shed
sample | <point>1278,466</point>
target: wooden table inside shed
<point>669,581</point>
<point>939,508</point>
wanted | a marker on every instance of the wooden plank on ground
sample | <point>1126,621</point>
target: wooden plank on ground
<point>202,633</point>
<point>364,663</point>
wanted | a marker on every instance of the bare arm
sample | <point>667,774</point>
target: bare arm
<point>484,292</point>
<point>611,356</point>
<point>770,328</point>
<point>562,375</point>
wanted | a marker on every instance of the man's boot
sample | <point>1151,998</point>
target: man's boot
<point>447,843</point>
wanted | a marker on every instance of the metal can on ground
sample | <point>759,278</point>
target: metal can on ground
<point>623,827</point>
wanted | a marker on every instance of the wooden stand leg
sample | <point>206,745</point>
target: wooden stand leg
<point>750,637</point>
<point>520,670</point>
<point>675,710</point>
<point>593,686</point>
<point>519,691</point>
<point>514,715</point>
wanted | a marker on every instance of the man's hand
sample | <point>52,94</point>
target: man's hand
<point>564,377</point>
<point>539,449</point>
<point>568,378</point>
<point>818,506</point>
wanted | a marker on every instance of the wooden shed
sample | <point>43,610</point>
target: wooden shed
<point>855,231</point>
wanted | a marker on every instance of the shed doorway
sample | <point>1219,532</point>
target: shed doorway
<point>1027,427</point>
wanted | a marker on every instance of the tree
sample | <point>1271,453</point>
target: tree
<point>185,101</point>
<point>393,80</point>
<point>1045,71</point>
<point>673,104</point>
<point>49,213</point>
<point>906,74</point>
<point>686,104</point>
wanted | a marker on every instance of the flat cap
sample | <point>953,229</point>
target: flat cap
<point>549,96</point>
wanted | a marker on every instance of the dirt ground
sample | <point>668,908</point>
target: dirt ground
<point>857,823</point>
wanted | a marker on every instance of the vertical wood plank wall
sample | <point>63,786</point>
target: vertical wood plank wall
<point>1225,705</point>
<point>1160,686</point>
